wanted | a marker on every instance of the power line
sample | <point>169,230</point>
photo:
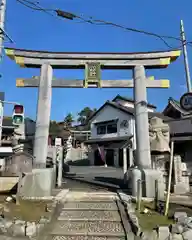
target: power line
<point>35,6</point>
<point>102,22</point>
<point>91,20</point>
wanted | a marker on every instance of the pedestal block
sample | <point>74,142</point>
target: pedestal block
<point>148,177</point>
<point>38,183</point>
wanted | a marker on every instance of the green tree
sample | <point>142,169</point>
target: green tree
<point>54,129</point>
<point>68,120</point>
<point>85,114</point>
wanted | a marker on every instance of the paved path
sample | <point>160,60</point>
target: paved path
<point>90,216</point>
<point>81,185</point>
<point>103,176</point>
<point>97,171</point>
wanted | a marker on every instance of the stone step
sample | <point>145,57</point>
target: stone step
<point>97,194</point>
<point>91,199</point>
<point>88,228</point>
<point>90,205</point>
<point>65,237</point>
<point>98,215</point>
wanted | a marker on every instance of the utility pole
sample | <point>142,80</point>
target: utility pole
<point>2,98</point>
<point>186,63</point>
<point>2,23</point>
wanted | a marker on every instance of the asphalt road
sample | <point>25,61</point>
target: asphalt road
<point>94,177</point>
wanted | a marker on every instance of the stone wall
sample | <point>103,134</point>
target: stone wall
<point>181,230</point>
<point>18,163</point>
<point>76,154</point>
<point>17,229</point>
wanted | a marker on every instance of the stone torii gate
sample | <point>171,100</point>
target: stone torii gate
<point>137,62</point>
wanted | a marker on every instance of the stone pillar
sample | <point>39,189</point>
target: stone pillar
<point>141,119</point>
<point>181,185</point>
<point>54,157</point>
<point>91,156</point>
<point>105,153</point>
<point>116,157</point>
<point>60,166</point>
<point>124,160</point>
<point>131,163</point>
<point>143,169</point>
<point>43,116</point>
<point>125,164</point>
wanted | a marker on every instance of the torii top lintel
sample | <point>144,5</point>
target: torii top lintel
<point>107,60</point>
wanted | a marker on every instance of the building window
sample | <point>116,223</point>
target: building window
<point>101,130</point>
<point>112,128</point>
<point>107,128</point>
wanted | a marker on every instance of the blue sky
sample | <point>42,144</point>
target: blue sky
<point>36,30</point>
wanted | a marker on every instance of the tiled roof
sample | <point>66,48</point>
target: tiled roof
<point>128,110</point>
<point>130,100</point>
<point>175,104</point>
<point>132,111</point>
<point>180,126</point>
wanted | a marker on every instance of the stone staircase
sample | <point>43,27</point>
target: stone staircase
<point>90,216</point>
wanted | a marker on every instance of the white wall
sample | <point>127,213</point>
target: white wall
<point>109,113</point>
<point>131,105</point>
<point>133,133</point>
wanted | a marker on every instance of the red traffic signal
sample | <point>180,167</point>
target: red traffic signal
<point>18,109</point>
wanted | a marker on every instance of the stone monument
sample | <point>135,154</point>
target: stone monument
<point>181,176</point>
<point>160,156</point>
<point>160,152</point>
<point>159,136</point>
<point>159,142</point>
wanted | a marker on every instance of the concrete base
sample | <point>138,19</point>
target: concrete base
<point>38,183</point>
<point>148,177</point>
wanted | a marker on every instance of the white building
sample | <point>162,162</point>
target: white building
<point>113,128</point>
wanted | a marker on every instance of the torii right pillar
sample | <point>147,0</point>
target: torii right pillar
<point>143,156</point>
<point>143,170</point>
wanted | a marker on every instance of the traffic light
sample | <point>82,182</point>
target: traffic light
<point>18,115</point>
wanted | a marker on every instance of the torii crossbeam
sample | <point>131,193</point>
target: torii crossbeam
<point>137,62</point>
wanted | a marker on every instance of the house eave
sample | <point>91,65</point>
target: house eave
<point>172,104</point>
<point>108,103</point>
<point>131,101</point>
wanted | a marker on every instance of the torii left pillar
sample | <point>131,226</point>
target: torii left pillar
<point>43,116</point>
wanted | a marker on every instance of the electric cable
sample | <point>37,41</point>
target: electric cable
<point>71,16</point>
